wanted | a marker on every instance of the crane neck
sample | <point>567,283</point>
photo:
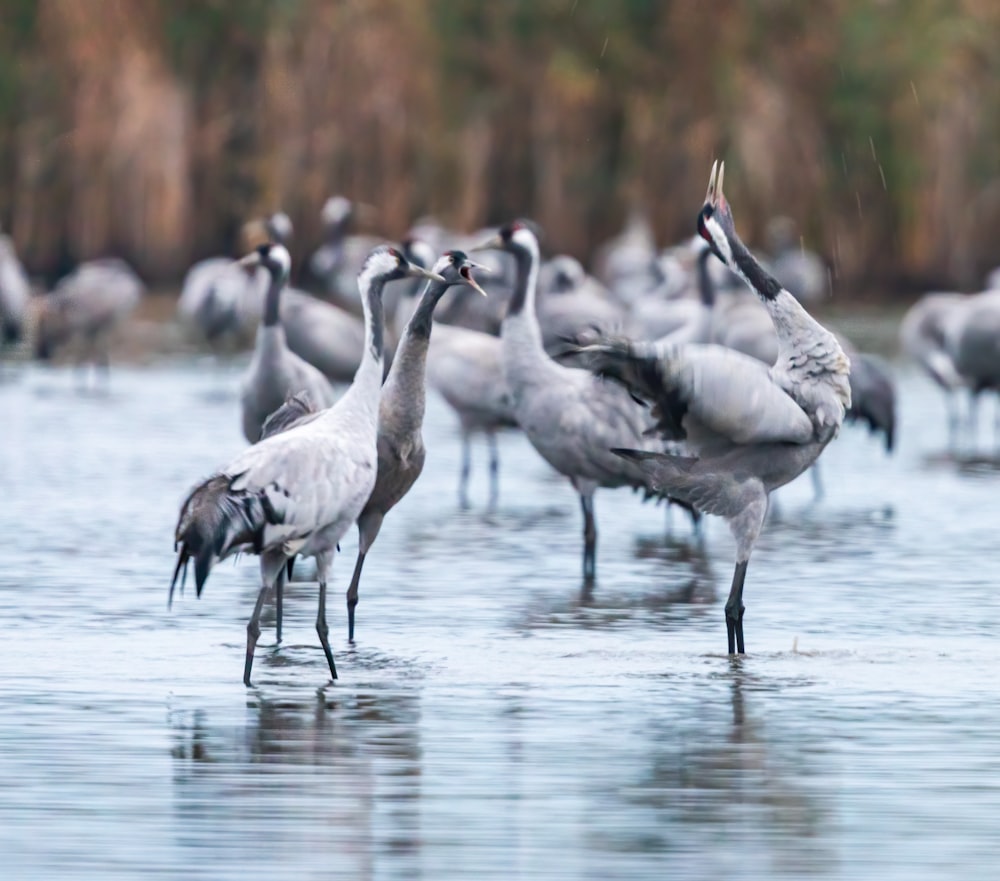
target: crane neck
<point>272,301</point>
<point>745,265</point>
<point>526,282</point>
<point>706,287</point>
<point>403,396</point>
<point>370,285</point>
<point>419,325</point>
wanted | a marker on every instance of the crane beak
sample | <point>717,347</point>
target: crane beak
<point>466,273</point>
<point>493,244</point>
<point>419,272</point>
<point>250,261</point>
<point>714,196</point>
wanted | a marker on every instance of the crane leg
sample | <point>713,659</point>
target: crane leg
<point>463,478</point>
<point>817,482</point>
<point>253,632</point>
<point>735,608</point>
<point>495,470</point>
<point>589,537</point>
<point>279,590</point>
<point>352,595</point>
<point>323,630</point>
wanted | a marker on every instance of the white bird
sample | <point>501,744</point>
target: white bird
<point>298,492</point>
<point>751,428</point>
<point>275,372</point>
<point>571,418</point>
<point>85,308</point>
<point>15,294</point>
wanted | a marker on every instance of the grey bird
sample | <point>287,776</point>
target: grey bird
<point>297,492</point>
<point>220,300</point>
<point>15,294</point>
<point>570,417</point>
<point>84,310</point>
<point>750,428</point>
<point>401,451</point>
<point>926,335</point>
<point>464,366</point>
<point>975,349</point>
<point>335,263</point>
<point>275,372</point>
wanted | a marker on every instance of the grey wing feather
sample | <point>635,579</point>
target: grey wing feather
<point>298,409</point>
<point>719,391</point>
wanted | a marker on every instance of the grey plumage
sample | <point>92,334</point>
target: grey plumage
<point>873,395</point>
<point>401,451</point>
<point>572,419</point>
<point>750,429</point>
<point>85,308</point>
<point>299,491</point>
<point>275,372</point>
<point>15,294</point>
<point>927,334</point>
<point>465,367</point>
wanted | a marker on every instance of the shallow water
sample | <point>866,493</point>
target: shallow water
<point>496,719</point>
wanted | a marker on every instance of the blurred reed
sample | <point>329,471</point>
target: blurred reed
<point>153,129</point>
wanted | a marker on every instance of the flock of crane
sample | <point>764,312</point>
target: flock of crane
<point>667,377</point>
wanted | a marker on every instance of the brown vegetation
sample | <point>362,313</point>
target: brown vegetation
<point>153,128</point>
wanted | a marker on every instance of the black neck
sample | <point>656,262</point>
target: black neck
<point>376,316</point>
<point>705,285</point>
<point>766,285</point>
<point>524,261</point>
<point>423,316</point>
<point>273,300</point>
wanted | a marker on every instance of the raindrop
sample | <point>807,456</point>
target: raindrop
<point>604,47</point>
<point>882,174</point>
<point>913,89</point>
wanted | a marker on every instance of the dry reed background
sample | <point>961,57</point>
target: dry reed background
<point>153,128</point>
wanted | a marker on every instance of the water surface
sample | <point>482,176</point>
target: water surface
<point>496,717</point>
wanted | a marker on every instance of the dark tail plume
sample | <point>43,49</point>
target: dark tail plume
<point>214,521</point>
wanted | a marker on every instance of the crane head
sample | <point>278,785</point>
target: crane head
<point>456,269</point>
<point>279,227</point>
<point>273,257</point>
<point>512,238</point>
<point>389,264</point>
<point>715,220</point>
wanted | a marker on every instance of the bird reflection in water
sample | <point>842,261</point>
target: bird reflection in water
<point>722,764</point>
<point>326,782</point>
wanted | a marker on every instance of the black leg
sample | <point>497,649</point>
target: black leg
<point>463,480</point>
<point>253,634</point>
<point>494,471</point>
<point>352,596</point>
<point>734,610</point>
<point>322,629</point>
<point>279,590</point>
<point>589,537</point>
